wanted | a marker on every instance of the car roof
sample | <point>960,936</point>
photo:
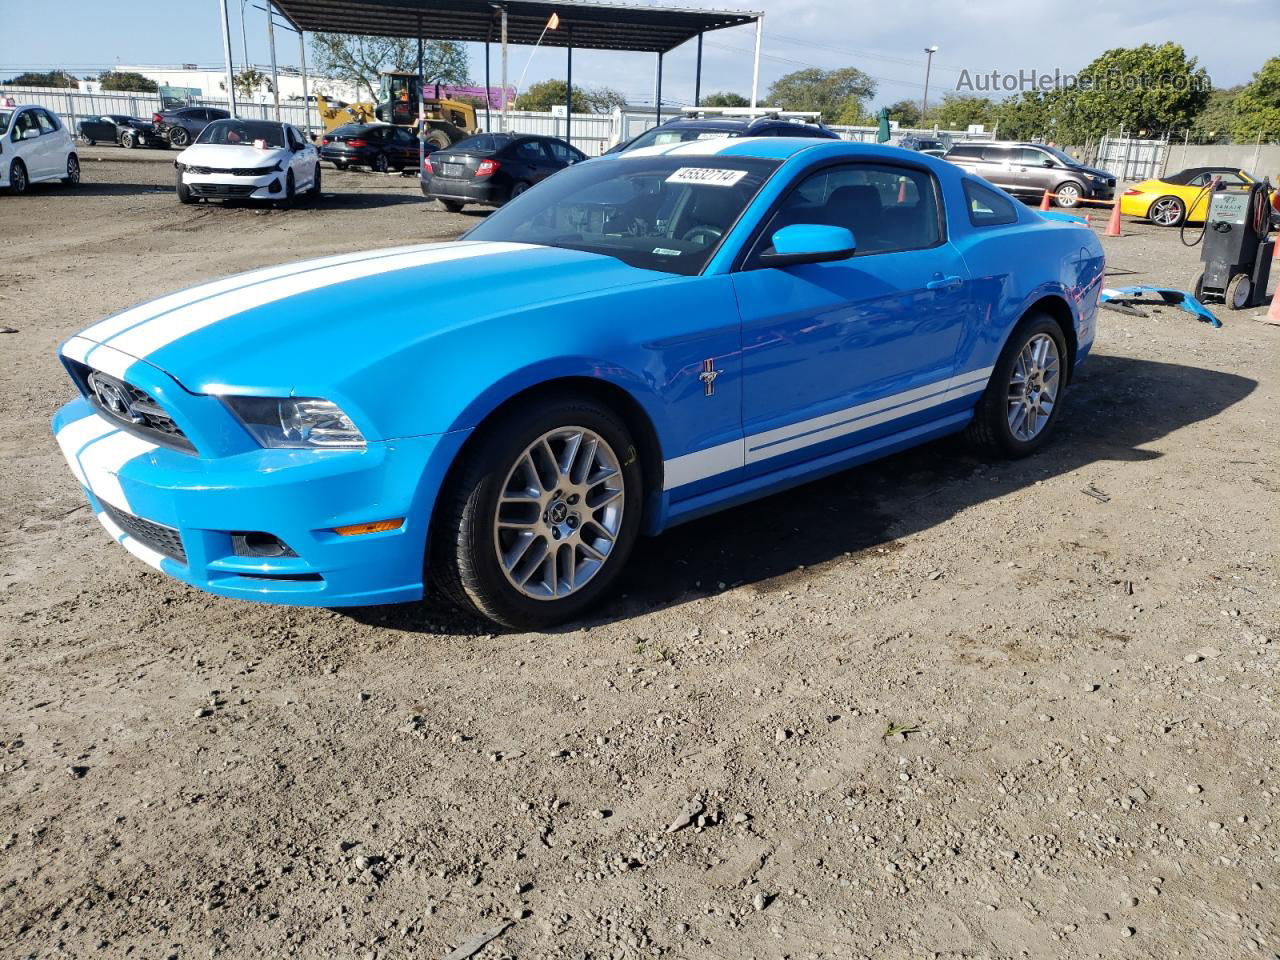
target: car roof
<point>1183,175</point>
<point>775,148</point>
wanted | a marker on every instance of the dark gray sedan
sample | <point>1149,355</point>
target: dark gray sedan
<point>122,129</point>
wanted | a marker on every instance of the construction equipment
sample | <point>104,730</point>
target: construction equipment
<point>443,121</point>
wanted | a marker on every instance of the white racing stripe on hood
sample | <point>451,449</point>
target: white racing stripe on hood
<point>155,334</point>
<point>153,308</point>
<point>98,356</point>
<point>74,436</point>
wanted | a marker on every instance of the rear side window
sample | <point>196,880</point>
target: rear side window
<point>986,207</point>
<point>965,153</point>
<point>995,154</point>
<point>530,151</point>
<point>887,208</point>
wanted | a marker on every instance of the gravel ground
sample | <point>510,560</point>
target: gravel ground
<point>1084,645</point>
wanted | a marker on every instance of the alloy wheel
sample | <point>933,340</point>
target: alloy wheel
<point>18,178</point>
<point>559,513</point>
<point>73,170</point>
<point>1166,212</point>
<point>1033,387</point>
<point>1068,195</point>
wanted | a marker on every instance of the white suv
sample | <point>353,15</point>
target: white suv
<point>35,146</point>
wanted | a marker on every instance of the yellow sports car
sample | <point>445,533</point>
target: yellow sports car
<point>1179,196</point>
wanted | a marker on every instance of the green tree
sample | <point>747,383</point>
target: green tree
<point>53,78</point>
<point>838,94</point>
<point>957,111</point>
<point>124,80</point>
<point>1150,89</point>
<point>248,83</point>
<point>1257,107</point>
<point>725,99</point>
<point>1213,124</point>
<point>546,94</point>
<point>1023,117</point>
<point>905,112</point>
<point>359,60</point>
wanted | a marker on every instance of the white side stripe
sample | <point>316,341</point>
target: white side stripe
<point>149,337</point>
<point>146,311</point>
<point>141,551</point>
<point>796,436</point>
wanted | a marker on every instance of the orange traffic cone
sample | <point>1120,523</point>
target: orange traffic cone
<point>1273,315</point>
<point>1044,204</point>
<point>1113,226</point>
<point>1088,221</point>
<point>902,189</point>
<point>1276,253</point>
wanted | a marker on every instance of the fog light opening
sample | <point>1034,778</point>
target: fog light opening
<point>275,186</point>
<point>255,543</point>
<point>376,526</point>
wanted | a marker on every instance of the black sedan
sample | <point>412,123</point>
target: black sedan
<point>181,125</point>
<point>378,146</point>
<point>119,128</point>
<point>491,168</point>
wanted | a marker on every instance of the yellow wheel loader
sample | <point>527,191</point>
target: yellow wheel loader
<point>445,121</point>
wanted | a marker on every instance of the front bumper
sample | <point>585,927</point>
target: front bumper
<point>299,496</point>
<point>221,186</point>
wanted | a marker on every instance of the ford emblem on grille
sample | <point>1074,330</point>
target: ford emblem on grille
<point>114,397</point>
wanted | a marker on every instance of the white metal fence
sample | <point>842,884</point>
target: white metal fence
<point>1130,159</point>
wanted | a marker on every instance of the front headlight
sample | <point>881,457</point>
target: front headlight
<point>308,422</point>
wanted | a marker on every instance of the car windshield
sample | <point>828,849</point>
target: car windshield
<point>5,117</point>
<point>242,133</point>
<point>1069,161</point>
<point>660,136</point>
<point>658,213</point>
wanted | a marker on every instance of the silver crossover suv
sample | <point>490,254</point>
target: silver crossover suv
<point>1029,169</point>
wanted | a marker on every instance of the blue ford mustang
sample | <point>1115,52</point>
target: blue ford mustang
<point>640,340</point>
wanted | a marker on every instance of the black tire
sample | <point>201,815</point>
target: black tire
<point>339,166</point>
<point>989,431</point>
<point>463,558</point>
<point>128,141</point>
<point>1170,211</point>
<point>92,143</point>
<point>380,164</point>
<point>1196,286</point>
<point>438,139</point>
<point>182,190</point>
<point>519,187</point>
<point>19,181</point>
<point>453,206</point>
<point>179,137</point>
<point>72,179</point>
<point>1068,194</point>
<point>314,192</point>
<point>1240,292</point>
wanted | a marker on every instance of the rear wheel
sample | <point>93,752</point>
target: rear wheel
<point>1021,404</point>
<point>453,206</point>
<point>183,191</point>
<point>519,188</point>
<point>339,166</point>
<point>380,164</point>
<point>538,519</point>
<point>1167,212</point>
<point>19,182</point>
<point>179,137</point>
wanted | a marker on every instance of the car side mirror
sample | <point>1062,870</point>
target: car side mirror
<point>30,134</point>
<point>809,243</point>
<point>1050,163</point>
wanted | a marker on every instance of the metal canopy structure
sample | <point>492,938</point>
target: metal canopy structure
<point>570,24</point>
<point>591,25</point>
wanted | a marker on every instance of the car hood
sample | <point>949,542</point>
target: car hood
<point>229,155</point>
<point>1092,171</point>
<point>303,327</point>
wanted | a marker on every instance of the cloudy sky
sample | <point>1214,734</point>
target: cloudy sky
<point>884,40</point>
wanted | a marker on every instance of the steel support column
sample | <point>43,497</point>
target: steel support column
<point>306,94</point>
<point>657,92</point>
<point>697,77</point>
<point>755,63</point>
<point>568,93</point>
<point>226,56</point>
<point>504,70</point>
<point>422,143</point>
<point>488,89</point>
<point>271,42</point>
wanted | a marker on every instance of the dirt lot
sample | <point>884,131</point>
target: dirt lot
<point>1087,641</point>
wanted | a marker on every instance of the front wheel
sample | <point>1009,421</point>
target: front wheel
<point>18,179</point>
<point>290,192</point>
<point>73,171</point>
<point>127,141</point>
<point>183,191</point>
<point>314,192</point>
<point>453,206</point>
<point>1068,195</point>
<point>539,517</point>
<point>1022,401</point>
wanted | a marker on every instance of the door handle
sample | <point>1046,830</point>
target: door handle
<point>943,283</point>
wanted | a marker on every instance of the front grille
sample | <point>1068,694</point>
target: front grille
<point>221,189</point>
<point>132,408</point>
<point>234,171</point>
<point>157,536</point>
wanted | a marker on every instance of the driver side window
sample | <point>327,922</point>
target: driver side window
<point>887,208</point>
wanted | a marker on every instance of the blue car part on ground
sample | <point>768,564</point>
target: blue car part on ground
<point>1177,298</point>
<point>736,379</point>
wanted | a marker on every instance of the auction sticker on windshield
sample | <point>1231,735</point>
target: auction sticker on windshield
<point>707,175</point>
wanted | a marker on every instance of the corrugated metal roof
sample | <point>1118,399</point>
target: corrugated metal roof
<point>583,25</point>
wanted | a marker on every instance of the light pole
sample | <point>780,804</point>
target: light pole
<point>924,104</point>
<point>244,37</point>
